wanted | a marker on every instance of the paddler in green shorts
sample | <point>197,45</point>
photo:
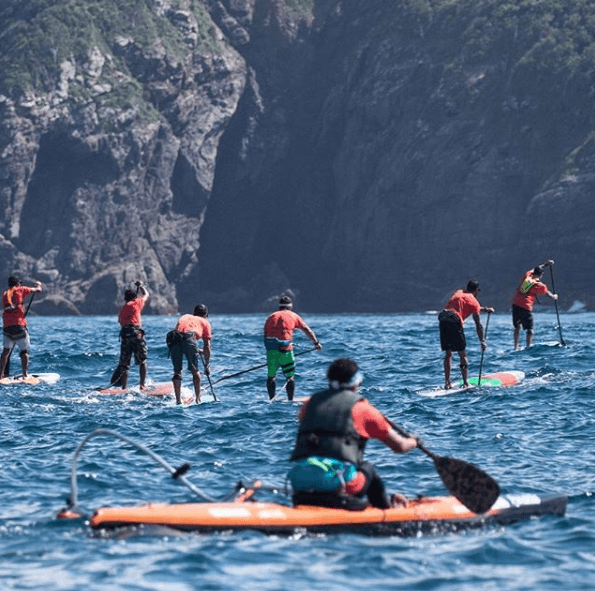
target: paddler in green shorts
<point>278,334</point>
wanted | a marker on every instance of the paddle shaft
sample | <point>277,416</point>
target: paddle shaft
<point>239,373</point>
<point>208,378</point>
<point>485,337</point>
<point>556,305</point>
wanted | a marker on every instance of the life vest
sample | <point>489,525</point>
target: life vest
<point>327,429</point>
<point>527,284</point>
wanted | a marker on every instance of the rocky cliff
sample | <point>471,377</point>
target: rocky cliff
<point>366,155</point>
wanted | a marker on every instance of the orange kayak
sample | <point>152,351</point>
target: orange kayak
<point>426,515</point>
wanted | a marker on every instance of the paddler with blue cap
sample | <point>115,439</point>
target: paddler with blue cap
<point>335,425</point>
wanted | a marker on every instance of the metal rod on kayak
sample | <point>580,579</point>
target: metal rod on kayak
<point>556,305</point>
<point>239,373</point>
<point>474,488</point>
<point>177,473</point>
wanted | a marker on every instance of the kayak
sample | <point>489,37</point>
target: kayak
<point>32,379</point>
<point>422,515</point>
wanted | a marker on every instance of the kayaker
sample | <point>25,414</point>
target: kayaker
<point>461,305</point>
<point>182,342</point>
<point>278,334</point>
<point>527,291</point>
<point>14,319</point>
<point>132,337</point>
<point>335,425</point>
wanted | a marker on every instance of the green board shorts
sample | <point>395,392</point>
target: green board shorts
<point>283,360</point>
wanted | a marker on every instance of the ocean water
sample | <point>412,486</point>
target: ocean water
<point>536,437</point>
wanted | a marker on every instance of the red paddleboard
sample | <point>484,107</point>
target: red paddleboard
<point>160,389</point>
<point>15,381</point>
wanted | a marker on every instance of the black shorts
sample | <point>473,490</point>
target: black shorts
<point>522,317</point>
<point>187,347</point>
<point>452,335</point>
<point>132,343</point>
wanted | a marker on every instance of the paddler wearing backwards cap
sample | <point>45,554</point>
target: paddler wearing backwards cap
<point>461,305</point>
<point>278,335</point>
<point>335,425</point>
<point>15,322</point>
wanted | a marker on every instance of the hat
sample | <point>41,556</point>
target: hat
<point>12,281</point>
<point>285,302</point>
<point>200,310</point>
<point>473,285</point>
<point>344,373</point>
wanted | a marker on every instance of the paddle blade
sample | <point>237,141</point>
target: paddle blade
<point>474,488</point>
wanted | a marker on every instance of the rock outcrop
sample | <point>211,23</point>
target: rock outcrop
<point>367,156</point>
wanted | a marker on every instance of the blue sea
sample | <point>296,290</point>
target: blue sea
<point>537,437</point>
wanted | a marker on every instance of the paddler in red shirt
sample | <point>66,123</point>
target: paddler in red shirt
<point>278,334</point>
<point>132,336</point>
<point>461,305</point>
<point>335,425</point>
<point>15,322</point>
<point>182,342</point>
<point>527,291</point>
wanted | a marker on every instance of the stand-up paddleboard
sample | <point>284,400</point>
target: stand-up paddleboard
<point>32,379</point>
<point>499,379</point>
<point>159,389</point>
<point>162,389</point>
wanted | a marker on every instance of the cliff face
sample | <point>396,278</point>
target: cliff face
<point>364,155</point>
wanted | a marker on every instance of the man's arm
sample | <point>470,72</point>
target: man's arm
<point>144,292</point>
<point>479,329</point>
<point>310,334</point>
<point>206,355</point>
<point>399,444</point>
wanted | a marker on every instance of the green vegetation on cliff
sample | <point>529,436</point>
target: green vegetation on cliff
<point>37,36</point>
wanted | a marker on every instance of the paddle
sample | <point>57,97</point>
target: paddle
<point>208,377</point>
<point>239,373</point>
<point>7,366</point>
<point>485,337</point>
<point>469,484</point>
<point>556,304</point>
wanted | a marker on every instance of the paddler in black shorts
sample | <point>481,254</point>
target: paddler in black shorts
<point>461,305</point>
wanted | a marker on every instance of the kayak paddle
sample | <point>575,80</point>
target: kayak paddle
<point>474,488</point>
